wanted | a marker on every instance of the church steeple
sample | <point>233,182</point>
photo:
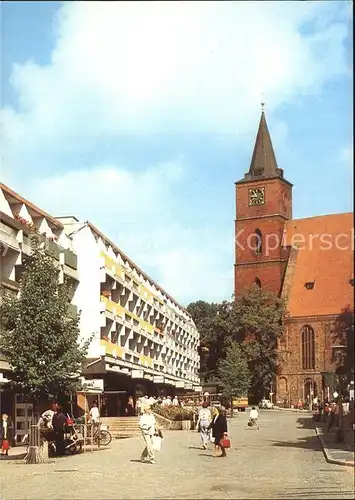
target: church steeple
<point>263,162</point>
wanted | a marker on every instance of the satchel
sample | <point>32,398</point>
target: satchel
<point>226,442</point>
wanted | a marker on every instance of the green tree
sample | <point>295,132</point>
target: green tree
<point>213,324</point>
<point>258,317</point>
<point>38,336</point>
<point>233,372</point>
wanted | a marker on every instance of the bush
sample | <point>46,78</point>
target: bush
<point>174,413</point>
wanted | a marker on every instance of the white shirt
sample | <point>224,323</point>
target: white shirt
<point>147,423</point>
<point>253,414</point>
<point>94,413</point>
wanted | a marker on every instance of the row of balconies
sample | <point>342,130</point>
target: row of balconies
<point>131,320</point>
<point>21,233</point>
<point>120,309</point>
<point>147,348</point>
<point>120,273</point>
<point>142,340</point>
<point>134,360</point>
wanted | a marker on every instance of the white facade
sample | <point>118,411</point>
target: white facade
<point>19,219</point>
<point>138,328</point>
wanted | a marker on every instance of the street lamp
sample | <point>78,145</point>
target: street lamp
<point>340,432</point>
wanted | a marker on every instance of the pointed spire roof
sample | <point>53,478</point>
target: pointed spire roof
<point>263,162</point>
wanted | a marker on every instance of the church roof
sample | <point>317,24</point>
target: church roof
<point>321,265</point>
<point>263,162</point>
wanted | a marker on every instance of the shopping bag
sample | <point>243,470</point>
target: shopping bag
<point>156,443</point>
<point>226,442</point>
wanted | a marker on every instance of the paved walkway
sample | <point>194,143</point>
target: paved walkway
<point>282,460</point>
<point>336,453</point>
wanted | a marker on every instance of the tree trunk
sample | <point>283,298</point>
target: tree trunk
<point>34,454</point>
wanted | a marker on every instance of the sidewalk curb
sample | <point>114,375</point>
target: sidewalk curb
<point>291,409</point>
<point>346,463</point>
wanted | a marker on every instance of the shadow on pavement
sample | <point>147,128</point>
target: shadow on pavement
<point>8,458</point>
<point>307,443</point>
<point>305,423</point>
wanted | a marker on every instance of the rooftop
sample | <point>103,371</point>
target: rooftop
<point>324,257</point>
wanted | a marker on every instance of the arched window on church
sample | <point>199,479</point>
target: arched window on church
<point>308,348</point>
<point>258,248</point>
<point>257,282</point>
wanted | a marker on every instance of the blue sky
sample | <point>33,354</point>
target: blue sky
<point>102,100</point>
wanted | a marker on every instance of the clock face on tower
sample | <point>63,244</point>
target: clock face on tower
<point>257,196</point>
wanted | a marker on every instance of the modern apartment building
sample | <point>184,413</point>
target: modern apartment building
<point>144,342</point>
<point>18,218</point>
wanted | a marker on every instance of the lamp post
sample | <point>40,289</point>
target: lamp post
<point>338,349</point>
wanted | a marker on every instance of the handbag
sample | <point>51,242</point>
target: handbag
<point>226,442</point>
<point>156,443</point>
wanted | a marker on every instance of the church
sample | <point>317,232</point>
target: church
<point>308,262</point>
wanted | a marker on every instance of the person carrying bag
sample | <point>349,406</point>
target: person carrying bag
<point>219,431</point>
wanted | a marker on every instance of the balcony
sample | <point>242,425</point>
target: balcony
<point>71,259</point>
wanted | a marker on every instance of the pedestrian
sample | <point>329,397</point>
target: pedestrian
<point>130,411</point>
<point>332,416</point>
<point>253,417</point>
<point>147,425</point>
<point>203,424</point>
<point>175,401</point>
<point>59,421</point>
<point>6,434</point>
<point>219,429</point>
<point>94,414</point>
<point>151,401</point>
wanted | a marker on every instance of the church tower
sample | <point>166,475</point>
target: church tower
<point>263,204</point>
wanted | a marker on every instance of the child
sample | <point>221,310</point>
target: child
<point>253,417</point>
<point>6,429</point>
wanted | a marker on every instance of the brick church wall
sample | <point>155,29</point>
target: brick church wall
<point>291,380</point>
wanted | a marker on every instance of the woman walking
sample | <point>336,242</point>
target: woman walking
<point>203,423</point>
<point>147,425</point>
<point>219,429</point>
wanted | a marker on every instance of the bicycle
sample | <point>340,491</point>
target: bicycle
<point>100,436</point>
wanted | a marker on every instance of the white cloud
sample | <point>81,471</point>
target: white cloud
<point>144,225</point>
<point>160,67</point>
<point>173,66</point>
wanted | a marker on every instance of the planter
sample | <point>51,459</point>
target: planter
<point>176,425</point>
<point>186,425</point>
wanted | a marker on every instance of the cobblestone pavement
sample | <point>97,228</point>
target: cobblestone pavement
<point>281,460</point>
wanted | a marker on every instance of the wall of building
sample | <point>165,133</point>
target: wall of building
<point>87,294</point>
<point>292,378</point>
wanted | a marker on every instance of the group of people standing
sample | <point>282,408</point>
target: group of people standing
<point>52,423</point>
<point>212,425</point>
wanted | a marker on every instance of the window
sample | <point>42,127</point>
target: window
<point>308,348</point>
<point>258,242</point>
<point>309,285</point>
<point>257,282</point>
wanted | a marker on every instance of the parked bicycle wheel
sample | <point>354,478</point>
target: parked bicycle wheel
<point>105,438</point>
